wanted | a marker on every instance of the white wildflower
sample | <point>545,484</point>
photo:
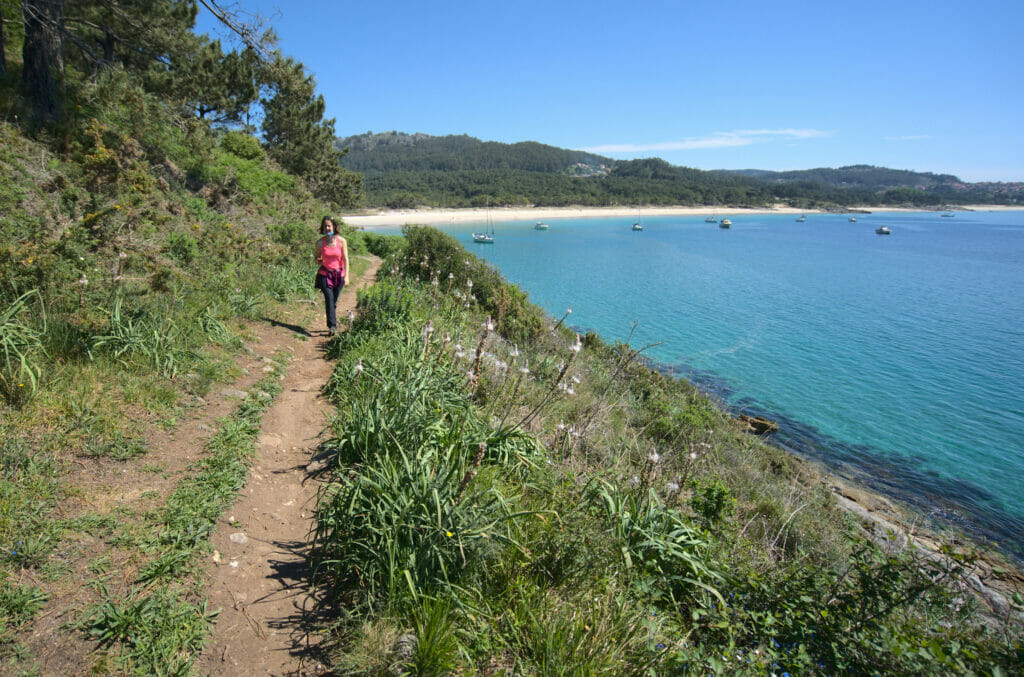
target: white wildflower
<point>469,283</point>
<point>359,366</point>
<point>122,255</point>
<point>653,457</point>
<point>560,427</point>
<point>672,486</point>
<point>576,379</point>
<point>693,456</point>
<point>514,352</point>
<point>83,280</point>
<point>577,346</point>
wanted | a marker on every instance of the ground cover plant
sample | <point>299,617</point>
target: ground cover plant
<point>505,495</point>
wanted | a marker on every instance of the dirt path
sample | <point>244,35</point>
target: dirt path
<point>259,575</point>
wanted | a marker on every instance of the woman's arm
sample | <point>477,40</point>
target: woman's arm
<point>318,251</point>
<point>344,253</point>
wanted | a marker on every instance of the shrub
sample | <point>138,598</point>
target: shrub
<point>291,234</point>
<point>182,248</point>
<point>243,145</point>
<point>711,501</point>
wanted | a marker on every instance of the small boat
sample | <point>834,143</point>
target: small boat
<point>948,215</point>
<point>637,225</point>
<point>853,219</point>
<point>713,218</point>
<point>540,225</point>
<point>803,217</point>
<point>883,230</point>
<point>724,223</point>
<point>486,237</point>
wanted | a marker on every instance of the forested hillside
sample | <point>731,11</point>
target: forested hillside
<point>394,151</point>
<point>408,170</point>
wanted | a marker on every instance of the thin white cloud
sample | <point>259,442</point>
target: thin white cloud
<point>908,137</point>
<point>739,137</point>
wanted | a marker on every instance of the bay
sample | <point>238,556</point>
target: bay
<point>896,360</point>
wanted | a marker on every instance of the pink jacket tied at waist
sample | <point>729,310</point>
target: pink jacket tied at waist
<point>333,278</point>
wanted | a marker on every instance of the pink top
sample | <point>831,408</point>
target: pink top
<point>332,256</point>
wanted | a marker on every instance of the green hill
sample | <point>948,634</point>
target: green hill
<point>858,176</point>
<point>398,152</point>
<point>409,170</point>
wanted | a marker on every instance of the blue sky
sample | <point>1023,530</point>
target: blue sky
<point>930,86</point>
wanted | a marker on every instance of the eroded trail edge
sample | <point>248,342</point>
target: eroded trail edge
<point>259,575</point>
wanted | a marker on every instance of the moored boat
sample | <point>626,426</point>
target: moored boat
<point>853,219</point>
<point>487,236</point>
<point>883,230</point>
<point>724,223</point>
<point>803,217</point>
<point>540,225</point>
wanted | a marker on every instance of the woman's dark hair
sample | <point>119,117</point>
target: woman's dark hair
<point>323,225</point>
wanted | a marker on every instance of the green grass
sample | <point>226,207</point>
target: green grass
<point>162,625</point>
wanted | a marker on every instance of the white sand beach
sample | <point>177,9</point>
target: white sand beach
<point>397,218</point>
<point>385,219</point>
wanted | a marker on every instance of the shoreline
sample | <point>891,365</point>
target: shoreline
<point>397,218</point>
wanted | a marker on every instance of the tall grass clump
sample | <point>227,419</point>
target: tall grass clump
<point>22,348</point>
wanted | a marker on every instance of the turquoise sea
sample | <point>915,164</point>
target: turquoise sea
<point>896,360</point>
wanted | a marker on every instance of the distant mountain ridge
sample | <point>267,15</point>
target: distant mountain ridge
<point>409,170</point>
<point>859,176</point>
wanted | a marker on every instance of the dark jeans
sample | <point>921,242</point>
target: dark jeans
<point>331,295</point>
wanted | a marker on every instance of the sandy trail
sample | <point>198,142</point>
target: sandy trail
<point>261,583</point>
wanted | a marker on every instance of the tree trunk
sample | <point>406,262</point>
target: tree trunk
<point>3,59</point>
<point>43,74</point>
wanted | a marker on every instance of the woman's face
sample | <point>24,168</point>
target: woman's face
<point>328,227</point>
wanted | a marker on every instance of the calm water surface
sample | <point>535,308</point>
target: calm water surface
<point>897,360</point>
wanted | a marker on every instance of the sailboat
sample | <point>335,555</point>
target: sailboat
<point>713,218</point>
<point>637,226</point>
<point>803,217</point>
<point>488,236</point>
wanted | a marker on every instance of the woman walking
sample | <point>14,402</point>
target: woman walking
<point>332,255</point>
